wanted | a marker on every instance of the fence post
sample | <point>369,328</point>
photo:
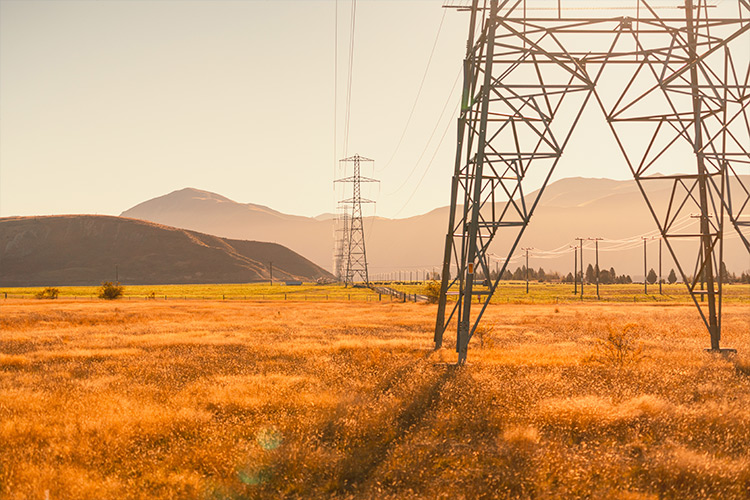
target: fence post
<point>380,296</point>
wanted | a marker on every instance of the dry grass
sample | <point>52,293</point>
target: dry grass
<point>149,399</point>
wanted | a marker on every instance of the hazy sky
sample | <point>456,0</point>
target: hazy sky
<point>105,104</point>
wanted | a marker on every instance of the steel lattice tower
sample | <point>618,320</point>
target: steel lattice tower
<point>666,86</point>
<point>353,261</point>
<point>341,233</point>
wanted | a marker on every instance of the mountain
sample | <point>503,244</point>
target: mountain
<point>214,214</point>
<point>570,208</point>
<point>84,250</point>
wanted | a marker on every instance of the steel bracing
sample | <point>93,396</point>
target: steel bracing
<point>673,86</point>
<point>352,255</point>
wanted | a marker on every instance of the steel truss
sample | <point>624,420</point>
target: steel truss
<point>353,259</point>
<point>666,85</point>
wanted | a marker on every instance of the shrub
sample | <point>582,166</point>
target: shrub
<point>48,293</point>
<point>110,290</point>
<point>484,333</point>
<point>432,291</point>
<point>619,347</point>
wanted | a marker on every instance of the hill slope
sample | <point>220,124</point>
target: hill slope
<point>570,208</point>
<point>214,214</point>
<point>84,250</point>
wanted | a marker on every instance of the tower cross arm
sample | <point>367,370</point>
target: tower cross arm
<point>354,179</point>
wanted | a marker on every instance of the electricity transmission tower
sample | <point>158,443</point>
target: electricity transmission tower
<point>341,233</point>
<point>669,86</point>
<point>351,253</point>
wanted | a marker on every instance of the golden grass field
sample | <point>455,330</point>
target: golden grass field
<point>507,292</point>
<point>146,399</point>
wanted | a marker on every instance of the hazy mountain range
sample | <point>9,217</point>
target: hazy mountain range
<point>570,208</point>
<point>89,249</point>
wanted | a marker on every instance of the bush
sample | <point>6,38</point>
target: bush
<point>48,293</point>
<point>432,291</point>
<point>619,347</point>
<point>110,290</point>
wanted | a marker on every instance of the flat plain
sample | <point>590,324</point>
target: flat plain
<point>257,399</point>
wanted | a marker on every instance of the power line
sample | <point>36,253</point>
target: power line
<point>349,78</point>
<point>335,84</point>
<point>432,134</point>
<point>419,92</point>
<point>429,165</point>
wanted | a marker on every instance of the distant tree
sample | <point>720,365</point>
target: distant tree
<point>745,277</point>
<point>612,273</point>
<point>110,290</point>
<point>604,277</point>
<point>590,274</point>
<point>651,277</point>
<point>726,277</point>
<point>541,275</point>
<point>48,293</point>
<point>519,274</point>
<point>569,278</point>
<point>507,275</point>
<point>672,278</point>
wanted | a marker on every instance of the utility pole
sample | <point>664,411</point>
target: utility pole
<point>645,268</point>
<point>660,279</point>
<point>575,270</point>
<point>596,242</point>
<point>527,268</point>
<point>580,242</point>
<point>703,278</point>
<point>270,267</point>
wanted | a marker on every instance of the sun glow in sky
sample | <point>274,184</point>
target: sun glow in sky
<point>106,104</point>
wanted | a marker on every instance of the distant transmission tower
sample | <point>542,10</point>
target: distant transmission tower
<point>351,254</point>
<point>341,234</point>
<point>670,83</point>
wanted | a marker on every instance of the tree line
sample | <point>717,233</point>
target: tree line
<point>606,276</point>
